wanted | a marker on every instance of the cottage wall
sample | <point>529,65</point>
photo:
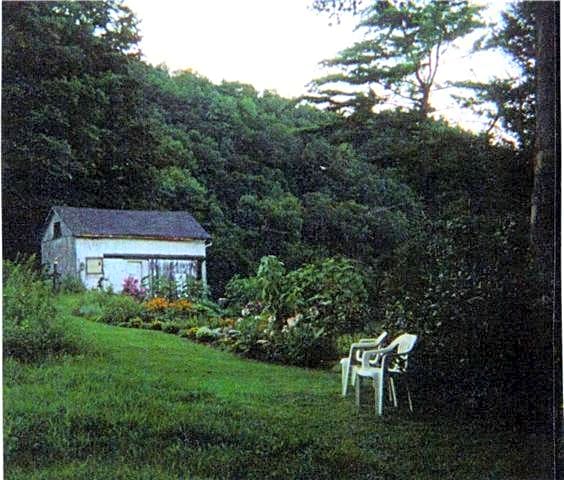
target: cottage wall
<point>58,250</point>
<point>122,257</point>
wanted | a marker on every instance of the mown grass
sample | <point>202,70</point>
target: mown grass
<point>146,405</point>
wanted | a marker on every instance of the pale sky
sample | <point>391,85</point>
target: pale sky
<point>278,44</point>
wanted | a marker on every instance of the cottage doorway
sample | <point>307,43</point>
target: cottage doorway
<point>134,268</point>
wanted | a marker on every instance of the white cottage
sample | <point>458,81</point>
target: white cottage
<point>94,244</point>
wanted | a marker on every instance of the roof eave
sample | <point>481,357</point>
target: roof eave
<point>141,237</point>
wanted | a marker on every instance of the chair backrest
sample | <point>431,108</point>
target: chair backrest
<point>404,343</point>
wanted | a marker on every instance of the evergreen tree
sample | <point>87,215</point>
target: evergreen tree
<point>400,56</point>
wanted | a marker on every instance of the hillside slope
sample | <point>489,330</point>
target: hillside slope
<point>144,404</point>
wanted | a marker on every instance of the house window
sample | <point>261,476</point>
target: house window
<point>57,230</point>
<point>94,266</point>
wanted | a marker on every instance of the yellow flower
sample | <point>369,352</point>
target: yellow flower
<point>156,304</point>
<point>182,305</point>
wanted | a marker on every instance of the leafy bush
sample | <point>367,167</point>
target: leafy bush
<point>192,289</point>
<point>206,334</point>
<point>332,293</point>
<point>463,293</point>
<point>119,308</point>
<point>241,291</point>
<point>190,332</point>
<point>135,322</point>
<point>252,340</point>
<point>304,345</point>
<point>32,329</point>
<point>160,286</point>
<point>187,288</point>
<point>91,311</point>
<point>72,284</point>
<point>306,310</point>
<point>171,328</point>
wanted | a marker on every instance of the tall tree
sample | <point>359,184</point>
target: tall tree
<point>400,55</point>
<point>66,78</point>
<point>509,101</point>
<point>545,196</point>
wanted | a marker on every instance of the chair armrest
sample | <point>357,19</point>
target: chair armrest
<point>369,355</point>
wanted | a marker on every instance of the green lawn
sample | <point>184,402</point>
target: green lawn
<point>147,405</point>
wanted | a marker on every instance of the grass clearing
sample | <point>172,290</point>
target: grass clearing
<point>145,404</point>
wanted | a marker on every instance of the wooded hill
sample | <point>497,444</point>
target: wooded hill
<point>436,217</point>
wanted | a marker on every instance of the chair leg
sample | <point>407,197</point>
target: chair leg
<point>357,393</point>
<point>409,397</point>
<point>379,394</point>
<point>344,379</point>
<point>393,391</point>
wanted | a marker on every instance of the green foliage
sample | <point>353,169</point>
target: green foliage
<point>170,328</point>
<point>332,293</point>
<point>206,334</point>
<point>462,291</point>
<point>400,53</point>
<point>156,325</point>
<point>92,311</point>
<point>71,284</point>
<point>251,340</point>
<point>66,64</point>
<point>296,316</point>
<point>271,283</point>
<point>32,329</point>
<point>510,101</point>
<point>241,291</point>
<point>119,308</point>
<point>193,290</point>
<point>304,345</point>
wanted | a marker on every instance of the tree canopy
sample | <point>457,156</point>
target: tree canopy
<point>400,55</point>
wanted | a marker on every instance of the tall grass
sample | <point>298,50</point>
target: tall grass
<point>32,329</point>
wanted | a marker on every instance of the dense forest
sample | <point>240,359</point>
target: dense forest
<point>435,218</point>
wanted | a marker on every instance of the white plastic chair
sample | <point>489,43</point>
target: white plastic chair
<point>355,357</point>
<point>391,362</point>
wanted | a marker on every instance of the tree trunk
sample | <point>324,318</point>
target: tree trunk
<point>545,199</point>
<point>544,332</point>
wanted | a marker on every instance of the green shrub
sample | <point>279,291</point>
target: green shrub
<point>252,340</point>
<point>71,284</point>
<point>206,334</point>
<point>190,332</point>
<point>156,325</point>
<point>241,291</point>
<point>170,328</point>
<point>304,345</point>
<point>296,317</point>
<point>331,293</point>
<point>31,327</point>
<point>135,322</point>
<point>193,290</point>
<point>90,310</point>
<point>119,308</point>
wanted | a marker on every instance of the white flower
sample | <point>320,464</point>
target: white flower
<point>293,321</point>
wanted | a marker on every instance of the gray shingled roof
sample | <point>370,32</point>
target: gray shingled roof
<point>131,223</point>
